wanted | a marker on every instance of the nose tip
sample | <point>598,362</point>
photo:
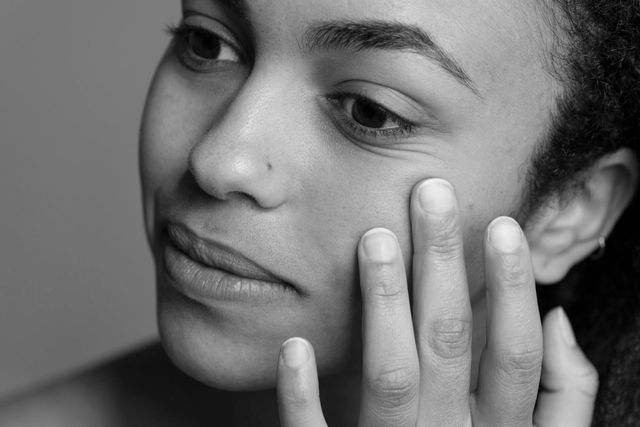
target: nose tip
<point>229,174</point>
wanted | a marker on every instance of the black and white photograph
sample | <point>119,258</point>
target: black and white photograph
<point>312,213</point>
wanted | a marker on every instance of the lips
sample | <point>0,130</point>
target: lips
<point>204,269</point>
<point>216,255</point>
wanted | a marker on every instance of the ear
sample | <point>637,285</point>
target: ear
<point>568,228</point>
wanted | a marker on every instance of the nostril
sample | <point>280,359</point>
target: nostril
<point>240,172</point>
<point>204,187</point>
<point>237,195</point>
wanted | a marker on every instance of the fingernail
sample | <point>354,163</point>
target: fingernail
<point>436,196</point>
<point>565,328</point>
<point>295,352</point>
<point>380,245</point>
<point>505,235</point>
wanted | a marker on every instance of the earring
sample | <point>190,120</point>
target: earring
<point>599,253</point>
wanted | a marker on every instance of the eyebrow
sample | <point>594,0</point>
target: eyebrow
<point>383,35</point>
<point>237,7</point>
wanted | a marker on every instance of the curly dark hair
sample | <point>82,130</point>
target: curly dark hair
<point>598,61</point>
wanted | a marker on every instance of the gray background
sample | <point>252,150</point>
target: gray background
<point>76,281</point>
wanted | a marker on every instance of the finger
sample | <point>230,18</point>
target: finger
<point>569,381</point>
<point>510,366</point>
<point>298,394</point>
<point>390,361</point>
<point>442,311</point>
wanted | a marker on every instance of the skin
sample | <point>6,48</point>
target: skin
<point>416,368</point>
<point>249,151</point>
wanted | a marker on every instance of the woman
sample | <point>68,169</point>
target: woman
<point>279,137</point>
<point>274,130</point>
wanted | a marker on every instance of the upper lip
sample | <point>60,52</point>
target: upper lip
<point>217,255</point>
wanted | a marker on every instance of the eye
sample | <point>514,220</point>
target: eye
<point>201,49</point>
<point>367,113</point>
<point>364,118</point>
<point>203,44</point>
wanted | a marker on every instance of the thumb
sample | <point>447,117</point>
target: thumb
<point>569,382</point>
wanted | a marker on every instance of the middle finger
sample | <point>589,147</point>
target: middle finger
<point>442,310</point>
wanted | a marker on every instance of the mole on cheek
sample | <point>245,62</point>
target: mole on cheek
<point>269,166</point>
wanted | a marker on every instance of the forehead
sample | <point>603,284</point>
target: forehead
<point>490,38</point>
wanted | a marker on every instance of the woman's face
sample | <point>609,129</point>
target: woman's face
<point>277,132</point>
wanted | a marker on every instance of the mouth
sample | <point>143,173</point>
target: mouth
<point>205,270</point>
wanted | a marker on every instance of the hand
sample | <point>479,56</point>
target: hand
<point>416,371</point>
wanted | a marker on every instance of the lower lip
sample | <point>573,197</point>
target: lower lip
<point>205,283</point>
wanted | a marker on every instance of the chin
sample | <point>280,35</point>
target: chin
<point>207,348</point>
<point>219,371</point>
<point>237,348</point>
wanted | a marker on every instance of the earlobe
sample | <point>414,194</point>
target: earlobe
<point>571,226</point>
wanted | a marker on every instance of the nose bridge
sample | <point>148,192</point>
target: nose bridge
<point>241,152</point>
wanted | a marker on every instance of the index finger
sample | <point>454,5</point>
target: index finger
<point>390,361</point>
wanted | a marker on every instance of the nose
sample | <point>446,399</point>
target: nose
<point>244,154</point>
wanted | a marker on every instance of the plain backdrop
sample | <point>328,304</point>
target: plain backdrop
<point>76,279</point>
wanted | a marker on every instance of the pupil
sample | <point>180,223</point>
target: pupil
<point>368,114</point>
<point>205,45</point>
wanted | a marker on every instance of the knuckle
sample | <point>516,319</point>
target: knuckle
<point>450,339</point>
<point>301,397</point>
<point>386,287</point>
<point>513,274</point>
<point>394,387</point>
<point>520,367</point>
<point>445,239</point>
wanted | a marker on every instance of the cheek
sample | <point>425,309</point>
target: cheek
<point>178,111</point>
<point>162,156</point>
<point>176,114</point>
<point>489,183</point>
<point>349,200</point>
<point>360,193</point>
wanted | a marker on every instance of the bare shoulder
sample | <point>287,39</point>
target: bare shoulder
<point>138,388</point>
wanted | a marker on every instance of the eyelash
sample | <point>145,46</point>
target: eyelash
<point>405,127</point>
<point>193,62</point>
